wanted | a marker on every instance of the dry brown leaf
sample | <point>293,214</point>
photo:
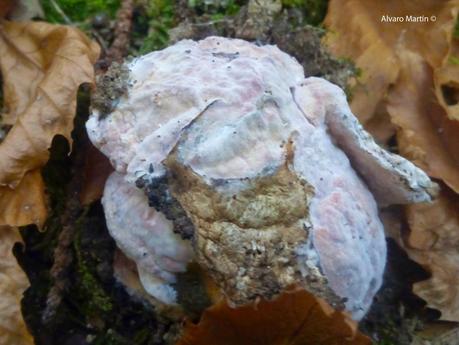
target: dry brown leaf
<point>411,70</point>
<point>357,32</point>
<point>413,108</point>
<point>433,242</point>
<point>380,125</point>
<point>429,137</point>
<point>13,282</point>
<point>97,169</point>
<point>446,82</point>
<point>440,291</point>
<point>435,226</point>
<point>294,318</point>
<point>438,333</point>
<point>42,67</point>
<point>5,7</point>
<point>26,204</point>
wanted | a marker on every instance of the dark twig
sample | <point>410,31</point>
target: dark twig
<point>120,45</point>
<point>63,254</point>
<point>59,10</point>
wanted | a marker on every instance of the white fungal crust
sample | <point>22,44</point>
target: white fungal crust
<point>391,178</point>
<point>146,237</point>
<point>262,161</point>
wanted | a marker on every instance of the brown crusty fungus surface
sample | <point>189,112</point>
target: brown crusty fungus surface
<point>262,176</point>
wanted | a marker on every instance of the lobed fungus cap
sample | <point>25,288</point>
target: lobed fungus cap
<point>269,172</point>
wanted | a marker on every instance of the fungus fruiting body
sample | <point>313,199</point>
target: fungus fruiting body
<point>263,177</point>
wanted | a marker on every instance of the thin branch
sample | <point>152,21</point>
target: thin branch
<point>59,10</point>
<point>120,45</point>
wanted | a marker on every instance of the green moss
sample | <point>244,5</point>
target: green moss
<point>454,60</point>
<point>159,18</point>
<point>386,342</point>
<point>456,28</point>
<point>111,337</point>
<point>94,306</point>
<point>314,11</point>
<point>95,300</point>
<point>216,9</point>
<point>78,10</point>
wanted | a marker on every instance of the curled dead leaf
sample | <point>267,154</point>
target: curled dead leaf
<point>446,83</point>
<point>410,71</point>
<point>97,168</point>
<point>419,118</point>
<point>446,80</point>
<point>293,318</point>
<point>6,6</point>
<point>13,282</point>
<point>358,31</point>
<point>433,242</point>
<point>434,226</point>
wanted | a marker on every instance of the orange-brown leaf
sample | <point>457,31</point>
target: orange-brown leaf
<point>358,32</point>
<point>413,108</point>
<point>446,82</point>
<point>5,7</point>
<point>410,70</point>
<point>13,282</point>
<point>26,204</point>
<point>97,169</point>
<point>42,67</point>
<point>433,242</point>
<point>294,318</point>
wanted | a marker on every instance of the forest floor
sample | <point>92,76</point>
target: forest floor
<point>73,298</point>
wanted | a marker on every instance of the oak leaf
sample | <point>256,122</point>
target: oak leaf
<point>420,119</point>
<point>446,84</point>
<point>26,204</point>
<point>42,67</point>
<point>433,242</point>
<point>359,30</point>
<point>13,282</point>
<point>97,169</point>
<point>446,81</point>
<point>428,135</point>
<point>410,71</point>
<point>293,318</point>
<point>6,6</point>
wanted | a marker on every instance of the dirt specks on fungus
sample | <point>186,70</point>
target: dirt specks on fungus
<point>110,86</point>
<point>160,197</point>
